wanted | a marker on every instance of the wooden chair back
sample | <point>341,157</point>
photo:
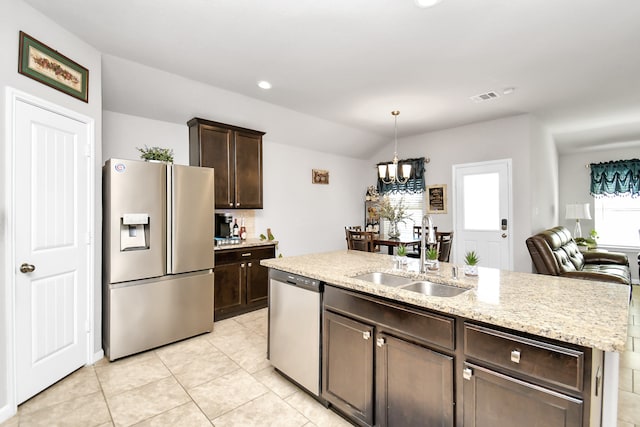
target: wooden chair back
<point>360,240</point>
<point>445,240</point>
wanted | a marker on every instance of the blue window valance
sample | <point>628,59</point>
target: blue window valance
<point>415,183</point>
<point>615,178</point>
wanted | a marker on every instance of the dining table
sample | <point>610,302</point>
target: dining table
<point>393,242</point>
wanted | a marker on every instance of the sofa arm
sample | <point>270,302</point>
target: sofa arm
<point>592,275</point>
<point>601,257</point>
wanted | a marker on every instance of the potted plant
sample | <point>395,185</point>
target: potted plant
<point>401,253</point>
<point>588,243</point>
<point>471,263</point>
<point>432,257</point>
<point>156,154</point>
<point>395,214</point>
<point>402,250</point>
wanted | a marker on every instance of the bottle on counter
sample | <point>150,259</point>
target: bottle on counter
<point>235,230</point>
<point>243,230</point>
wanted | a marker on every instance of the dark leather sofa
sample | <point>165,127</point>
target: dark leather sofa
<point>554,252</point>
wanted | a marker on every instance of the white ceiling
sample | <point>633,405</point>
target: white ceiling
<point>575,64</point>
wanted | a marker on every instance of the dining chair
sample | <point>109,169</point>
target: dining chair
<point>445,240</point>
<point>417,232</point>
<point>352,228</point>
<point>360,240</point>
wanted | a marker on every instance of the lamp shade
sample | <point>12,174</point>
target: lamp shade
<point>578,211</point>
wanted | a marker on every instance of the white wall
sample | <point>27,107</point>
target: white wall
<point>575,181</point>
<point>16,16</point>
<point>308,217</point>
<point>496,139</point>
<point>124,133</point>
<point>543,166</point>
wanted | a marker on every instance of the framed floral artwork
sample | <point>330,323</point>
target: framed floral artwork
<point>319,176</point>
<point>48,66</point>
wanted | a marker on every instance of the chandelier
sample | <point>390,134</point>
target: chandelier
<point>389,173</point>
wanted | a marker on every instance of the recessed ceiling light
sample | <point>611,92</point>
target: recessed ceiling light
<point>263,84</point>
<point>426,3</point>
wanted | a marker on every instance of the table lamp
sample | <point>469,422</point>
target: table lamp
<point>578,211</point>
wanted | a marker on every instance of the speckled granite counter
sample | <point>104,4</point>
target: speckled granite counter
<point>246,244</point>
<point>587,313</point>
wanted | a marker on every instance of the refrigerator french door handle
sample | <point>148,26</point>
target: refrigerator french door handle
<point>169,224</point>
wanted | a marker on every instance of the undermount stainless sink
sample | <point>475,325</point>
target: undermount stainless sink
<point>386,279</point>
<point>434,289</point>
<point>422,286</point>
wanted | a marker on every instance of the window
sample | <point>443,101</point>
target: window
<point>414,203</point>
<point>617,220</point>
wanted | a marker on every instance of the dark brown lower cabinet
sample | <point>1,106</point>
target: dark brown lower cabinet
<point>414,384</point>
<point>240,283</point>
<point>493,399</point>
<point>348,366</point>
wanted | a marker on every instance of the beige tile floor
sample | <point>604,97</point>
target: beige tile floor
<point>221,379</point>
<point>224,379</point>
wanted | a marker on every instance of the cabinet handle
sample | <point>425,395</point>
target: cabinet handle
<point>380,342</point>
<point>230,205</point>
<point>515,356</point>
<point>242,265</point>
<point>366,335</point>
<point>237,204</point>
<point>248,264</point>
<point>467,373</point>
<point>246,254</point>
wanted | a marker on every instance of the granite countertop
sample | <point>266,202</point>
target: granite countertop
<point>245,244</point>
<point>587,313</point>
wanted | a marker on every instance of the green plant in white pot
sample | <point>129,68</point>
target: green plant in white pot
<point>401,256</point>
<point>471,261</point>
<point>432,259</point>
<point>156,153</point>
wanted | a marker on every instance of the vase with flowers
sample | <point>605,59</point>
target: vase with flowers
<point>395,214</point>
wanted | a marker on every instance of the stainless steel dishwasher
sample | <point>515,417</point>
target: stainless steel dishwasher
<point>295,304</point>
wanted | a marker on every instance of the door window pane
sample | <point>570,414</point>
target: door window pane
<point>482,202</point>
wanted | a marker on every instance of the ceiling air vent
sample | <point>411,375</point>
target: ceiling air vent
<point>485,96</point>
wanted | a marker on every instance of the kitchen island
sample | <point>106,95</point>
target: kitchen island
<point>583,320</point>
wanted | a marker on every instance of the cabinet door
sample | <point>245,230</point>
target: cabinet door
<point>216,151</point>
<point>493,399</point>
<point>347,359</point>
<point>248,166</point>
<point>257,283</point>
<point>414,385</point>
<point>229,289</point>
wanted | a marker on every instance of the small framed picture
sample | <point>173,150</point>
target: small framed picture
<point>319,176</point>
<point>437,199</point>
<point>40,62</point>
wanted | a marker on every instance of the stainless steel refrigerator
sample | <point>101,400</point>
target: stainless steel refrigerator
<point>158,254</point>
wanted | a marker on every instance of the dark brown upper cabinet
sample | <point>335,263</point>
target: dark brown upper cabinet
<point>236,155</point>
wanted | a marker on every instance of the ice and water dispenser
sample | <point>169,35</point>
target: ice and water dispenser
<point>134,231</point>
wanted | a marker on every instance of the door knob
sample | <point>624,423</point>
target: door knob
<point>27,268</point>
<point>504,235</point>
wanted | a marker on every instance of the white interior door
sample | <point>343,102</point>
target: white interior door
<point>482,212</point>
<point>52,208</point>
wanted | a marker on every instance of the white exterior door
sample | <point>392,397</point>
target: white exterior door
<point>482,213</point>
<point>51,228</point>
